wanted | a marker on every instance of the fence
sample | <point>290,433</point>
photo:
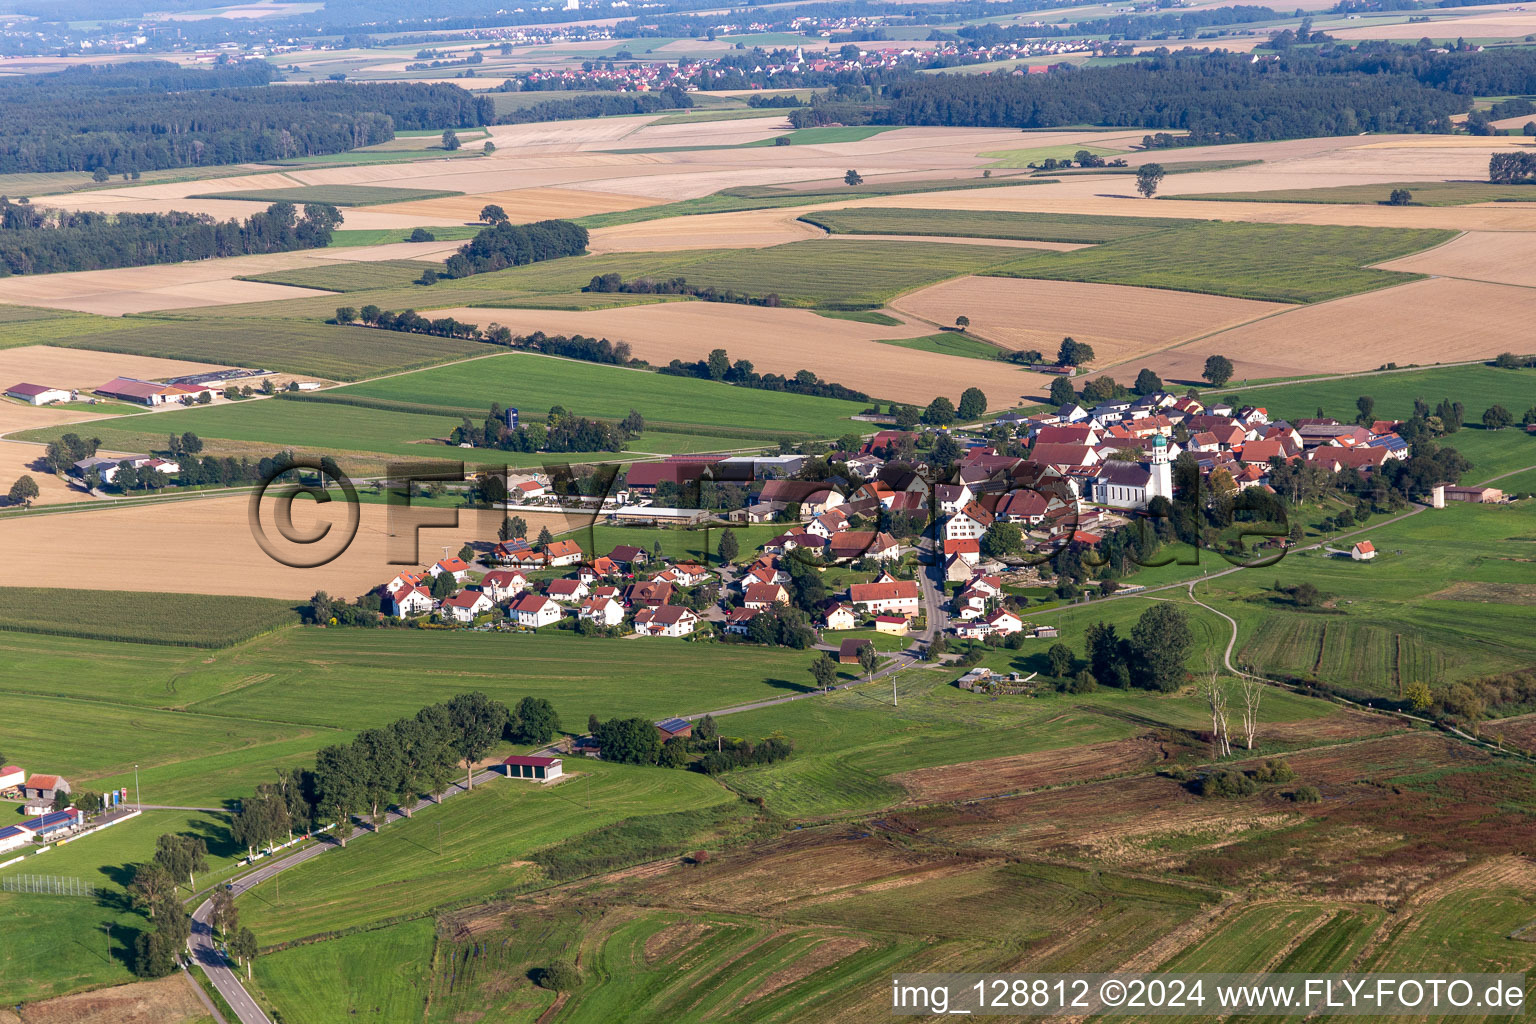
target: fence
<point>47,885</point>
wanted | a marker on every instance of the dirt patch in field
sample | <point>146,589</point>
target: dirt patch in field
<point>1421,322</point>
<point>1119,322</point>
<point>1023,772</point>
<point>84,369</point>
<point>213,540</point>
<point>1489,593</point>
<point>1501,257</point>
<point>673,939</point>
<point>166,1001</point>
<point>778,341</point>
<point>823,954</point>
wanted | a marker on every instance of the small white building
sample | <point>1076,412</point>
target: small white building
<point>1364,551</point>
<point>604,611</point>
<point>467,604</point>
<point>534,610</point>
<point>840,616</point>
<point>11,777</point>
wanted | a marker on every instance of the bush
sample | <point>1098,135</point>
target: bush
<point>1306,795</point>
<point>1274,771</point>
<point>560,976</point>
<point>1228,784</point>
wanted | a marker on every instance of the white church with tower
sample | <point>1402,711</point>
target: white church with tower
<point>1133,485</point>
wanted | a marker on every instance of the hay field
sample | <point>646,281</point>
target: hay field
<point>1506,257</point>
<point>216,551</point>
<point>84,368</point>
<point>1120,322</point>
<point>748,229</point>
<point>778,341</point>
<point>1440,320</point>
<point>520,204</point>
<point>1500,25</point>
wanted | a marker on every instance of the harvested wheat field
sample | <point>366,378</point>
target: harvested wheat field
<point>1501,25</point>
<point>1441,320</point>
<point>18,458</point>
<point>749,229</point>
<point>777,341</point>
<point>171,1000</point>
<point>138,289</point>
<point>214,535</point>
<point>83,368</point>
<point>1119,322</point>
<point>1024,772</point>
<point>520,204</point>
<point>1503,257</point>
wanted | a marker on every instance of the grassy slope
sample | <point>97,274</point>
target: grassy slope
<point>951,343</point>
<point>1279,263</point>
<point>351,277</point>
<point>380,976</point>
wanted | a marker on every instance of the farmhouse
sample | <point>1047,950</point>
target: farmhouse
<point>37,394</point>
<point>666,620</point>
<point>762,596</point>
<point>146,392</point>
<point>628,556</point>
<point>106,469</point>
<point>968,524</point>
<point>738,619</point>
<point>529,766</point>
<point>534,610</point>
<point>840,616</point>
<point>650,595</point>
<point>567,591</point>
<point>898,596</point>
<point>882,547</point>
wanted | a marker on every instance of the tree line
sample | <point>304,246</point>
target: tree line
<point>392,765</point>
<point>38,240</point>
<point>676,286</point>
<point>613,105</point>
<point>1121,26</point>
<point>1512,168</point>
<point>636,741</point>
<point>513,245</point>
<point>718,366</point>
<point>563,431</point>
<point>148,117</point>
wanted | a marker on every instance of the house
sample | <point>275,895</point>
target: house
<point>762,512</point>
<point>43,789</point>
<point>665,620</point>
<point>956,568</point>
<point>534,610</point>
<point>531,766</point>
<point>829,522</point>
<point>1005,621</point>
<point>840,616</point>
<point>1363,551</point>
<point>407,601</point>
<point>952,497</point>
<point>562,552</point>
<point>600,568</point>
<point>455,566</point>
<point>1023,506</point>
<point>526,489</point>
<point>1071,434</point>
<point>991,586</point>
<point>899,596</point>
<point>1364,460</point>
<point>37,394</point>
<point>784,543</point>
<point>674,727</point>
<point>762,596</point>
<point>968,550</point>
<point>11,777</point>
<point>848,651</point>
<point>968,524</point>
<point>969,603</point>
<point>604,611</point>
<point>467,604</point>
<point>567,591</point>
<point>738,619</point>
<point>516,551</point>
<point>500,584</point>
<point>629,556</point>
<point>894,624</point>
<point>647,595</point>
<point>853,544</point>
<point>813,497</point>
<point>105,468</point>
<point>690,574</point>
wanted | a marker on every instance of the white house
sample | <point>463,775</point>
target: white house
<point>1363,551</point>
<point>604,611</point>
<point>968,524</point>
<point>501,584</point>
<point>901,597</point>
<point>467,604</point>
<point>562,552</point>
<point>952,497</point>
<point>453,565</point>
<point>970,604</point>
<point>568,591</point>
<point>665,620</point>
<point>1004,621</point>
<point>840,616</point>
<point>409,600</point>
<point>534,610</point>
<point>37,394</point>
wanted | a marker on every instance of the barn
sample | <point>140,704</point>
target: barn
<point>527,766</point>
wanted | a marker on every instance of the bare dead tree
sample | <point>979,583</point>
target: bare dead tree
<point>1216,699</point>
<point>1253,692</point>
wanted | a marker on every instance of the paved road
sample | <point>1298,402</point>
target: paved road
<point>207,955</point>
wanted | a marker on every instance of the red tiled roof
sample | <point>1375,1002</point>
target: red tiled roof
<point>883,591</point>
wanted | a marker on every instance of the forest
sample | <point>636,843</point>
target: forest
<point>513,245</point>
<point>36,240</point>
<point>593,106</point>
<point>158,116</point>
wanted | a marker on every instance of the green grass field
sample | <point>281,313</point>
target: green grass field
<point>1425,193</point>
<point>1275,262</point>
<point>184,620</point>
<point>1025,157</point>
<point>62,328</point>
<point>351,277</point>
<point>380,976</point>
<point>824,136</point>
<point>319,350</point>
<point>347,237</point>
<point>1035,227</point>
<point>949,343</point>
<point>334,195</point>
<point>486,837</point>
<point>525,380</point>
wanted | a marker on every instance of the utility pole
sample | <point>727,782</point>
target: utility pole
<point>138,803</point>
<point>893,689</point>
